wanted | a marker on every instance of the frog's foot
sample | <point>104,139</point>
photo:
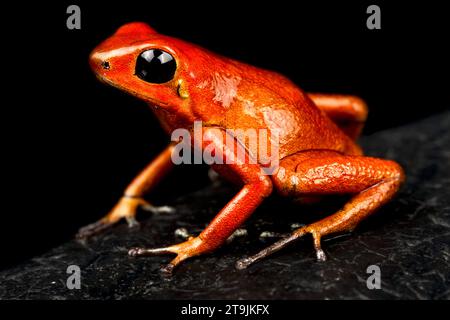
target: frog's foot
<point>126,209</point>
<point>316,230</point>
<point>192,247</point>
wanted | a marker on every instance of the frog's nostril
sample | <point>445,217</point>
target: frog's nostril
<point>105,65</point>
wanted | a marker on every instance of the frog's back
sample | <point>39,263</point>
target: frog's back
<point>267,100</point>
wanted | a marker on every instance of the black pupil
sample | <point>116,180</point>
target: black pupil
<point>155,66</point>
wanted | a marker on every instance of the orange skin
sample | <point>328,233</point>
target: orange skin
<point>317,152</point>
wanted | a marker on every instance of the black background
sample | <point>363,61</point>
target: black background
<point>72,144</point>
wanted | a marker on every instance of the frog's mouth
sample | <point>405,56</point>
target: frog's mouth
<point>153,102</point>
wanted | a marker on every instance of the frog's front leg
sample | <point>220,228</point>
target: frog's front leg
<point>373,181</point>
<point>127,206</point>
<point>256,186</point>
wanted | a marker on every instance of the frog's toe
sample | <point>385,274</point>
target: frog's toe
<point>246,262</point>
<point>158,209</point>
<point>141,252</point>
<point>93,229</point>
<point>316,230</point>
<point>166,269</point>
<point>192,247</point>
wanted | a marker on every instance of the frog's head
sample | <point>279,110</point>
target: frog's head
<point>178,77</point>
<point>139,61</point>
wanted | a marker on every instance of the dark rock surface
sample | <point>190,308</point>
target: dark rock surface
<point>409,239</point>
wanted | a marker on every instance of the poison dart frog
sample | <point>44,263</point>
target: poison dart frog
<point>316,150</point>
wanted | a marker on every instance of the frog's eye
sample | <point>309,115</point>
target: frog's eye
<point>155,66</point>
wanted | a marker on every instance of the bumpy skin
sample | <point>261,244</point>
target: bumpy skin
<point>317,151</point>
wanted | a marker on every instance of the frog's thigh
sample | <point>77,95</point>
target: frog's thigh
<point>373,182</point>
<point>321,172</point>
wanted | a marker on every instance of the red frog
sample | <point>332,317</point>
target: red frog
<point>317,152</point>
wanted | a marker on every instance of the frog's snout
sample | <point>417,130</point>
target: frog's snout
<point>98,64</point>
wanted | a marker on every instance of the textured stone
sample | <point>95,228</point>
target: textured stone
<point>408,239</point>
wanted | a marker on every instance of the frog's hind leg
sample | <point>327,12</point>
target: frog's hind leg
<point>348,112</point>
<point>372,181</point>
